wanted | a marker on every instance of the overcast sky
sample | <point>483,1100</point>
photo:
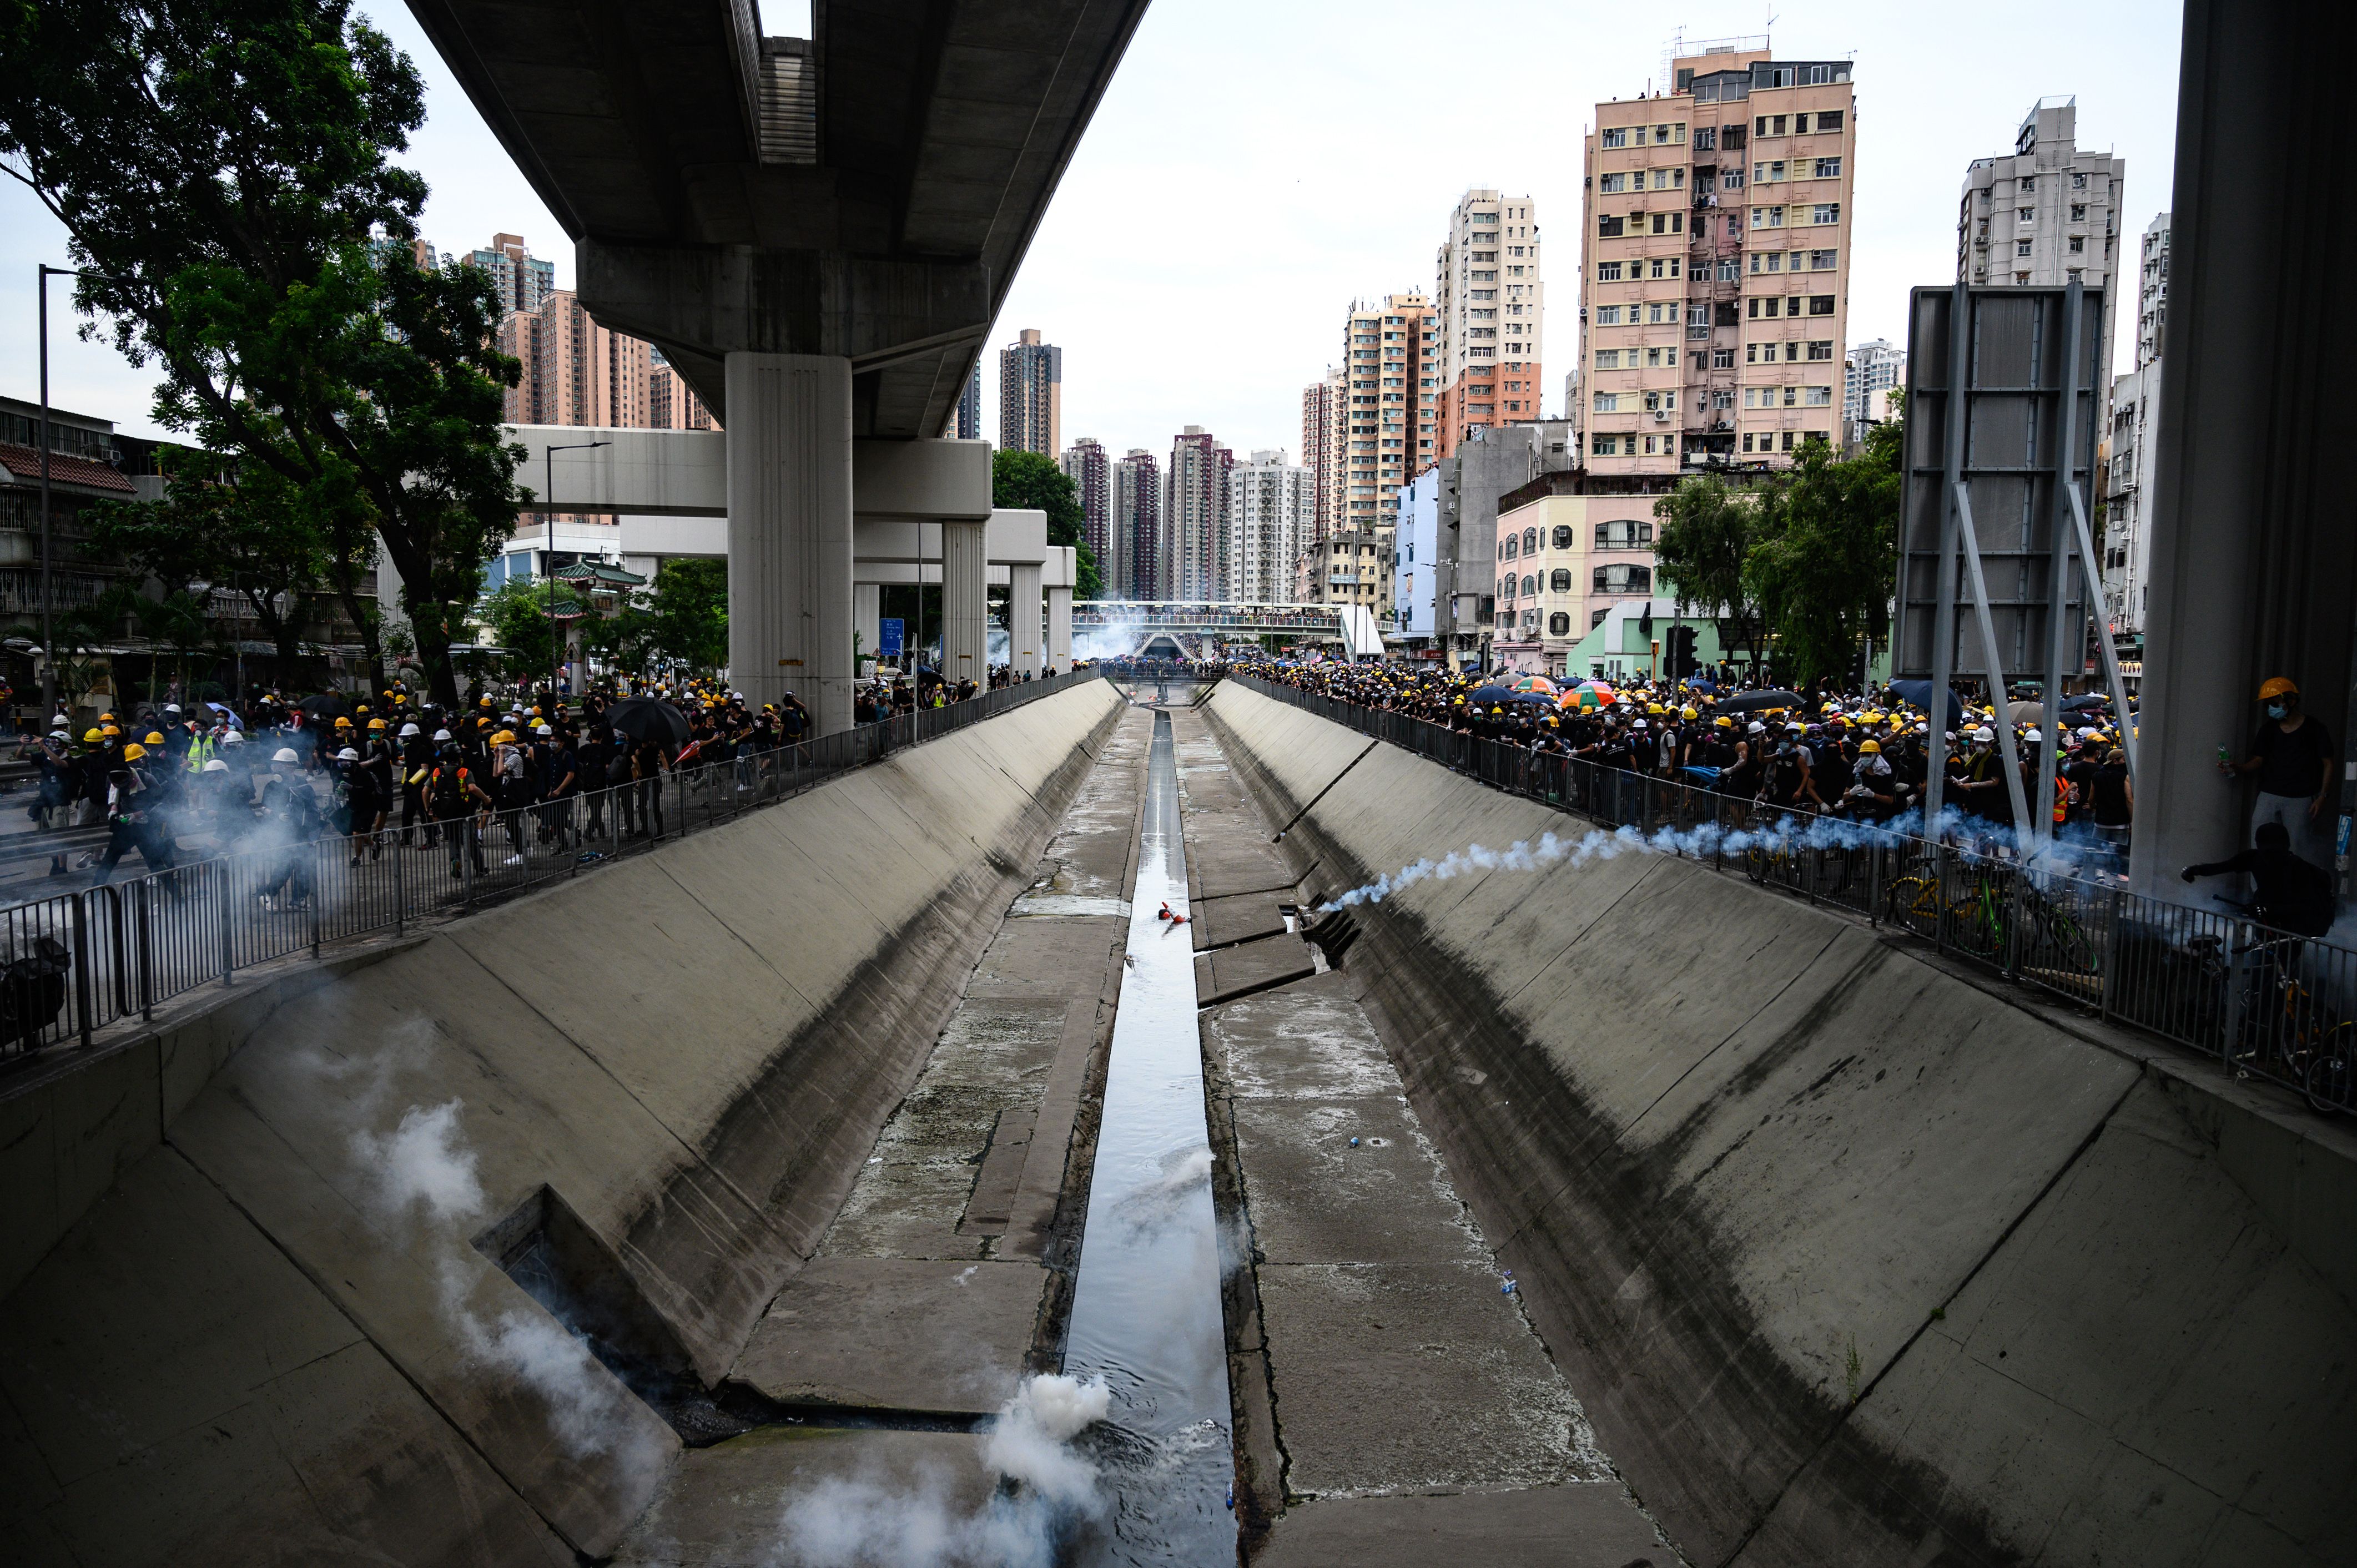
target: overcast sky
<point>1255,166</point>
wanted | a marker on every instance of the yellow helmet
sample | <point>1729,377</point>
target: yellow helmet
<point>376,723</point>
<point>1873,746</point>
<point>2277,686</point>
<point>91,737</point>
<point>1723,721</point>
<point>154,737</point>
<point>106,718</point>
<point>133,752</point>
<point>503,737</point>
<point>113,730</point>
<point>1688,713</point>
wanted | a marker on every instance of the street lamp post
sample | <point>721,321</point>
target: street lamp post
<point>49,655</point>
<point>556,639</point>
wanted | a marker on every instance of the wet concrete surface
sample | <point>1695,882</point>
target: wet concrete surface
<point>946,1273</point>
<point>1395,1404</point>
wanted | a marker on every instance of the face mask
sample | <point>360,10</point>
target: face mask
<point>2277,710</point>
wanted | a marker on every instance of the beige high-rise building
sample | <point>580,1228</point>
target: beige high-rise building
<point>1392,408</point>
<point>1031,395</point>
<point>1489,300</point>
<point>1197,534</point>
<point>1715,288</point>
<point>1323,403</point>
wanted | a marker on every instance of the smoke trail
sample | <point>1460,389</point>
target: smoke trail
<point>423,1170</point>
<point>1785,834</point>
<point>851,1523</point>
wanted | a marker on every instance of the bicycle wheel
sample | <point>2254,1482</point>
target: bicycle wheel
<point>2331,1077</point>
<point>1910,898</point>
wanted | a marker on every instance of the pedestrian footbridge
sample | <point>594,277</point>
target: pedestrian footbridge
<point>1152,628</point>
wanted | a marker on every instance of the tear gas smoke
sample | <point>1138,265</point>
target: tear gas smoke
<point>862,1523</point>
<point>1784,835</point>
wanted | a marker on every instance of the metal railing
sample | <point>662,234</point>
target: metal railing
<point>2267,1003</point>
<point>75,963</point>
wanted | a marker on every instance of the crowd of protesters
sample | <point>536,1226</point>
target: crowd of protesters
<point>1860,755</point>
<point>496,773</point>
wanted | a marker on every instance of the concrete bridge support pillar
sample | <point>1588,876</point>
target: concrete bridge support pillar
<point>965,591</point>
<point>868,616</point>
<point>789,531</point>
<point>1022,619</point>
<point>1059,628</point>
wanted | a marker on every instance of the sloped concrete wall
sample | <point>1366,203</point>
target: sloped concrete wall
<point>1850,1260</point>
<point>248,1345</point>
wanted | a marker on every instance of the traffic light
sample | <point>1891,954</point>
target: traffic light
<point>1682,652</point>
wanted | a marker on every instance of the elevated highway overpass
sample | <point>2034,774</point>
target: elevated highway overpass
<point>816,231</point>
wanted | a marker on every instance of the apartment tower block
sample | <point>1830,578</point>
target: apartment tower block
<point>1134,569</point>
<point>1031,395</point>
<point>1714,289</point>
<point>1090,471</point>
<point>1198,543</point>
<point>2045,214</point>
<point>1489,298</point>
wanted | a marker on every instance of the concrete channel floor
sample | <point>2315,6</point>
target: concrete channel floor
<point>944,1275</point>
<point>1395,1404</point>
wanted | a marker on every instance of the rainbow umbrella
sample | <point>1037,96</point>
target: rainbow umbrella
<point>1590,695</point>
<point>1539,683</point>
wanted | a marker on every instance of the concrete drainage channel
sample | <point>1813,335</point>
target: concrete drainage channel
<point>1146,1307</point>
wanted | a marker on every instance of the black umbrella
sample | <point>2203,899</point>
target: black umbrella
<point>648,718</point>
<point>1703,686</point>
<point>326,705</point>
<point>1920,694</point>
<point>1490,696</point>
<point>1541,698</point>
<point>2084,700</point>
<point>1751,702</point>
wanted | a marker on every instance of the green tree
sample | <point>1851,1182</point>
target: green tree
<point>245,532</point>
<point>688,606</point>
<point>1824,566</point>
<point>223,166</point>
<point>518,616</point>
<point>1031,482</point>
<point>1703,546</point>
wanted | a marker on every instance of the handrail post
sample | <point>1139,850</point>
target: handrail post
<point>146,948</point>
<point>81,961</point>
<point>1940,854</point>
<point>319,892</point>
<point>400,892</point>
<point>2111,958</point>
<point>227,882</point>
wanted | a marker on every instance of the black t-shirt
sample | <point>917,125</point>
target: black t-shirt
<point>2107,783</point>
<point>2290,893</point>
<point>2294,764</point>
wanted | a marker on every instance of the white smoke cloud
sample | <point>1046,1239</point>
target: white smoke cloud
<point>862,1523</point>
<point>422,1162</point>
<point>424,1169</point>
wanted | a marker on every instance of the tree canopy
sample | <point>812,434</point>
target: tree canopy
<point>1030,481</point>
<point>1806,559</point>
<point>223,169</point>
